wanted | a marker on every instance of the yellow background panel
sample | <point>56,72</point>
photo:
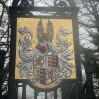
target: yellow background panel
<point>32,23</point>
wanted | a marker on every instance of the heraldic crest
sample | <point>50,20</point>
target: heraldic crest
<point>47,64</point>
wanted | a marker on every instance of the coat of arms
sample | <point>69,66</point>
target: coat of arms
<point>47,64</point>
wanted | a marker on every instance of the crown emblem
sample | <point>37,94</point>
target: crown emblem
<point>45,34</point>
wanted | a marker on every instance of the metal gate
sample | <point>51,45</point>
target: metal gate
<point>45,69</point>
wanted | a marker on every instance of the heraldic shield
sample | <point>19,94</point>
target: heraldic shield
<point>46,69</point>
<point>45,51</point>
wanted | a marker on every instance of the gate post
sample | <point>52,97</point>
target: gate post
<point>89,82</point>
<point>78,63</point>
<point>24,91</point>
<point>2,60</point>
<point>11,83</point>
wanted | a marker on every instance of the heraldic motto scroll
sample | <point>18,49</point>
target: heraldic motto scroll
<point>45,52</point>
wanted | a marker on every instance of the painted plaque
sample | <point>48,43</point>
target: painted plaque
<point>44,51</point>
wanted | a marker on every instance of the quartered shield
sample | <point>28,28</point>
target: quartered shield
<point>46,69</point>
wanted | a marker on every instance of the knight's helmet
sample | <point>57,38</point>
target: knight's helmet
<point>46,35</point>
